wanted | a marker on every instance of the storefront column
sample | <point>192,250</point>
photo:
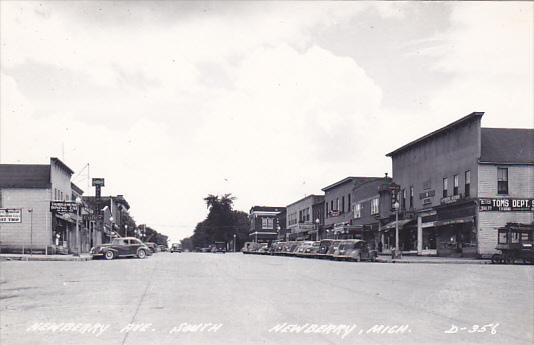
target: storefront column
<point>419,235</point>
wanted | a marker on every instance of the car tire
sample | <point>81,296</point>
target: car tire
<point>141,254</point>
<point>109,255</point>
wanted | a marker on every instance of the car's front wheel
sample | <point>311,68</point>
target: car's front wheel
<point>110,255</point>
<point>141,254</point>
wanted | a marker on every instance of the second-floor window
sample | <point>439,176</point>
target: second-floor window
<point>467,189</point>
<point>445,187</point>
<point>348,203</point>
<point>357,211</point>
<point>456,184</point>
<point>267,223</point>
<point>411,197</point>
<point>374,206</point>
<point>502,180</point>
<point>342,204</point>
<point>403,199</point>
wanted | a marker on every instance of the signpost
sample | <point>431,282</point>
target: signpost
<point>10,215</point>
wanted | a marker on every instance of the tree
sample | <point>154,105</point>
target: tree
<point>221,223</point>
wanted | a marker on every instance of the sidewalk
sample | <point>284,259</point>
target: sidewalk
<point>42,257</point>
<point>431,260</point>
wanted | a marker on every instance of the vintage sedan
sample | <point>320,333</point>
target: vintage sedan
<point>354,250</point>
<point>121,247</point>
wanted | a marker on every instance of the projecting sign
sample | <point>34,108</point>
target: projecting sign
<point>10,215</point>
<point>98,181</point>
<point>63,206</point>
<point>506,205</point>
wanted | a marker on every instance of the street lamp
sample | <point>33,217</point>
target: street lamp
<point>30,211</point>
<point>234,241</point>
<point>78,242</point>
<point>397,247</point>
<point>110,228</point>
<point>317,221</point>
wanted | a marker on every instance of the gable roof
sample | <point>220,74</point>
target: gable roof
<point>455,124</point>
<point>24,176</point>
<point>507,145</point>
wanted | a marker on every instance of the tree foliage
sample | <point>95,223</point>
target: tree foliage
<point>221,223</point>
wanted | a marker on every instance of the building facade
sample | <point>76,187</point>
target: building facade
<point>447,178</point>
<point>264,223</point>
<point>301,222</point>
<point>338,208</point>
<point>33,191</point>
<point>371,209</point>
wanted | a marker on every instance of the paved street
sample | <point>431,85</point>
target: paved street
<point>248,299</point>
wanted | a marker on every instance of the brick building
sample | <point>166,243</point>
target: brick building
<point>264,223</point>
<point>450,178</point>
<point>301,221</point>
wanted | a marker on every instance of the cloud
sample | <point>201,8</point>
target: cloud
<point>488,53</point>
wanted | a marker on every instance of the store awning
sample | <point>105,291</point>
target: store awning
<point>66,217</point>
<point>402,222</point>
<point>454,221</point>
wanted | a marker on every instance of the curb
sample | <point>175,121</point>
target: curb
<point>28,258</point>
<point>474,262</point>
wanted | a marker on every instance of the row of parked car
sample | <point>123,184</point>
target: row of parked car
<point>349,250</point>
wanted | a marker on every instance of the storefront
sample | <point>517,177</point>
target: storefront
<point>456,229</point>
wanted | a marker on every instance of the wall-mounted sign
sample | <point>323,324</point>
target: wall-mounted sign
<point>450,199</point>
<point>427,201</point>
<point>334,213</point>
<point>506,205</point>
<point>63,206</point>
<point>10,215</point>
<point>427,194</point>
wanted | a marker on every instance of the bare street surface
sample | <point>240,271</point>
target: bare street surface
<point>196,298</point>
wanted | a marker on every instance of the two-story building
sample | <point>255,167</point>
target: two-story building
<point>264,223</point>
<point>300,218</point>
<point>338,208</point>
<point>452,182</point>
<point>26,193</point>
<point>371,210</point>
<point>112,211</point>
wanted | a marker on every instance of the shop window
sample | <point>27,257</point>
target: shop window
<point>411,197</point>
<point>455,187</point>
<point>467,189</point>
<point>502,180</point>
<point>374,206</point>
<point>445,186</point>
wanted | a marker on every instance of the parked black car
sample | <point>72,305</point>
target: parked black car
<point>121,247</point>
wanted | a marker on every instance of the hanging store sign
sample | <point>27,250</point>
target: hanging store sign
<point>63,206</point>
<point>10,215</point>
<point>506,205</point>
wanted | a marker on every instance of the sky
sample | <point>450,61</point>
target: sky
<point>269,101</point>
